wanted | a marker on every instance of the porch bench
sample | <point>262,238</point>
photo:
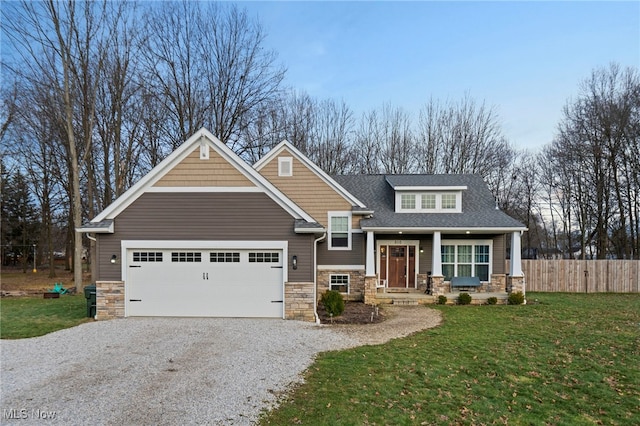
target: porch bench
<point>465,283</point>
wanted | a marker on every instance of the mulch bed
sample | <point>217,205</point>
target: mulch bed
<point>354,313</point>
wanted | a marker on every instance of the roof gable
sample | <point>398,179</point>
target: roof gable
<point>230,173</point>
<point>285,146</point>
<point>193,171</point>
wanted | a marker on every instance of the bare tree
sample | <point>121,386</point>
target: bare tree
<point>463,137</point>
<point>208,66</point>
<point>330,145</point>
<point>8,96</point>
<point>367,145</point>
<point>384,142</point>
<point>596,148</point>
<point>62,43</point>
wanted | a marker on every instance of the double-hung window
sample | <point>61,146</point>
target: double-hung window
<point>340,230</point>
<point>466,259</point>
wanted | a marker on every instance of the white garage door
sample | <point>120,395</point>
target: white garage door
<point>204,283</point>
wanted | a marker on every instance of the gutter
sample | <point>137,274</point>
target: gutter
<point>315,276</point>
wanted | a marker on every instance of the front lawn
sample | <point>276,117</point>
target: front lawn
<point>568,359</point>
<point>22,317</point>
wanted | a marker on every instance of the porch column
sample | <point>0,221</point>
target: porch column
<point>370,266</point>
<point>515,269</point>
<point>436,257</point>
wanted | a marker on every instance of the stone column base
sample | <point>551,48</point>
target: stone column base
<point>109,300</point>
<point>298,302</point>
<point>438,286</point>
<point>516,284</point>
<point>370,290</point>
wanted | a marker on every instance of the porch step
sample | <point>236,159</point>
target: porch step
<point>391,290</point>
<point>405,302</point>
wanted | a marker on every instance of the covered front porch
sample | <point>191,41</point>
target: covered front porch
<point>417,268</point>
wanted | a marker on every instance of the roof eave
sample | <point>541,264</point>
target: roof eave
<point>448,230</point>
<point>310,230</point>
<point>97,229</point>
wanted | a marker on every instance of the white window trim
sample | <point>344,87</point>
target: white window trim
<point>473,259</point>
<point>282,170</point>
<point>418,204</point>
<point>348,281</point>
<point>339,214</point>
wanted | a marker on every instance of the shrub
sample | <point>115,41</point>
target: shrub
<point>516,298</point>
<point>492,301</point>
<point>442,300</point>
<point>464,299</point>
<point>333,302</point>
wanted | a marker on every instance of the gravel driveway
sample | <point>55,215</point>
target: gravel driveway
<point>152,371</point>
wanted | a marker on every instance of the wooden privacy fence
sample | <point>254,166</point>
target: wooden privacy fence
<point>582,276</point>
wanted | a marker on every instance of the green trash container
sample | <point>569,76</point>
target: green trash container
<point>90,295</point>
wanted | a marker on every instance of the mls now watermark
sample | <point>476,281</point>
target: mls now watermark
<point>23,414</point>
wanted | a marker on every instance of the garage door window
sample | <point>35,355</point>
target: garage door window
<point>224,257</point>
<point>144,256</point>
<point>259,257</point>
<point>186,256</point>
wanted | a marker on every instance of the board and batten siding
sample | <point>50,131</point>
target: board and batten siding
<point>208,217</point>
<point>307,190</point>
<point>214,171</point>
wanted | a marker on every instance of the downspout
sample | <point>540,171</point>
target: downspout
<point>315,276</point>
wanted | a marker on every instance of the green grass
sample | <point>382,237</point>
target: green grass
<point>569,359</point>
<point>22,317</point>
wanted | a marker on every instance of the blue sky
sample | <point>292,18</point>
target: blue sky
<point>525,58</point>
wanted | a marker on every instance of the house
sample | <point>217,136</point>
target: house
<point>206,234</point>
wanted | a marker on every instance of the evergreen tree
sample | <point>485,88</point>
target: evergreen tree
<point>20,221</point>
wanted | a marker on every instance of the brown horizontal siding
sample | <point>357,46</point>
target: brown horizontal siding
<point>307,190</point>
<point>205,216</point>
<point>193,171</point>
<point>355,256</point>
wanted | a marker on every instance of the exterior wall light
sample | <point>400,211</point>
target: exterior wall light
<point>294,262</point>
<point>114,259</point>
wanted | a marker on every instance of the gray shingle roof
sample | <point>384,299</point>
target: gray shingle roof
<point>478,205</point>
<point>104,226</point>
<point>302,226</point>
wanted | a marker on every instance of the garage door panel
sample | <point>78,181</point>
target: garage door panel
<point>206,283</point>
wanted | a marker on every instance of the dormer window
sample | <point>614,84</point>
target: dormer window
<point>408,201</point>
<point>449,201</point>
<point>428,202</point>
